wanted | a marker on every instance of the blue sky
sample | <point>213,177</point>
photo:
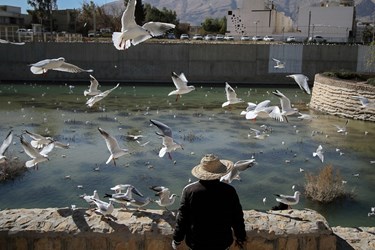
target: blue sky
<point>61,4</point>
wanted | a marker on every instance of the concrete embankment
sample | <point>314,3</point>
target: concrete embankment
<point>152,62</point>
<point>335,97</point>
<point>63,228</point>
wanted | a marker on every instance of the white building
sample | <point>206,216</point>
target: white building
<point>334,22</point>
<point>257,17</point>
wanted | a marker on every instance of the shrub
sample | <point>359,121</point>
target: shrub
<point>326,186</point>
<point>11,170</point>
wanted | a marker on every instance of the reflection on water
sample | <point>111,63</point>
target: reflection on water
<point>201,125</point>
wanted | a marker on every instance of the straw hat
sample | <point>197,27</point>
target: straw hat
<point>211,168</point>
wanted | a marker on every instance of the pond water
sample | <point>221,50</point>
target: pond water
<point>200,123</point>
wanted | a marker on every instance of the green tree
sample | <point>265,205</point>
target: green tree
<point>42,12</point>
<point>215,25</point>
<point>164,15</point>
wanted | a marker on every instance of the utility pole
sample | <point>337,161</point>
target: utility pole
<point>308,28</point>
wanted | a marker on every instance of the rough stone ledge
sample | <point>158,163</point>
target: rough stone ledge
<point>63,228</point>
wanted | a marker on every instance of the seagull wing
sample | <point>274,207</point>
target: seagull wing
<point>128,18</point>
<point>158,28</point>
<point>6,143</point>
<point>284,101</point>
<point>68,67</point>
<point>47,149</point>
<point>231,94</point>
<point>93,84</point>
<point>111,142</point>
<point>179,81</point>
<point>167,131</point>
<point>29,150</point>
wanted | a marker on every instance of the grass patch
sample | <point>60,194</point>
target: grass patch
<point>350,75</point>
<point>326,186</point>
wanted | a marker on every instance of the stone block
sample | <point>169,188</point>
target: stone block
<point>327,242</point>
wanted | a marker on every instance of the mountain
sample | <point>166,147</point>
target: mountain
<point>195,12</point>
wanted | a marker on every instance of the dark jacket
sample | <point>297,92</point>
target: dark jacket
<point>208,212</point>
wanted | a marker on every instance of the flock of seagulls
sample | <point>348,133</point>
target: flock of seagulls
<point>125,194</point>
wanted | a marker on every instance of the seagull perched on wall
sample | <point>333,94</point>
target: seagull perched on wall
<point>301,80</point>
<point>57,64</point>
<point>288,199</point>
<point>133,34</point>
<point>180,82</point>
<point>113,147</point>
<point>5,145</point>
<point>231,96</point>
<point>93,89</point>
<point>169,144</point>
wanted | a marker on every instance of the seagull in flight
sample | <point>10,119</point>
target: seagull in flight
<point>14,43</point>
<point>238,167</point>
<point>57,64</point>
<point>102,207</point>
<point>253,110</point>
<point>90,102</point>
<point>5,145</point>
<point>165,197</point>
<point>113,147</point>
<point>341,129</point>
<point>301,80</point>
<point>365,103</point>
<point>286,108</point>
<point>37,157</point>
<point>40,141</point>
<point>133,34</point>
<point>169,144</point>
<point>231,96</point>
<point>288,199</point>
<point>93,89</point>
<point>279,64</point>
<point>319,152</point>
<point>180,82</point>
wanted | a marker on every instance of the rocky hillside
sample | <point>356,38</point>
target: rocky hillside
<point>194,12</point>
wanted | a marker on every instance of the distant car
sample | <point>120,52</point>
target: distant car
<point>268,38</point>
<point>197,37</point>
<point>209,37</point>
<point>94,34</point>
<point>219,37</point>
<point>184,37</point>
<point>291,39</point>
<point>257,38</point>
<point>25,32</point>
<point>171,36</point>
<point>317,39</point>
<point>228,38</point>
<point>245,38</point>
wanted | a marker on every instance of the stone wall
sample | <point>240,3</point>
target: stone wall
<point>334,96</point>
<point>60,229</point>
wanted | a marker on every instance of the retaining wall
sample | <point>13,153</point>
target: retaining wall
<point>334,96</point>
<point>60,229</point>
<point>152,62</point>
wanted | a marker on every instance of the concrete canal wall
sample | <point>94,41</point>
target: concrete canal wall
<point>152,62</point>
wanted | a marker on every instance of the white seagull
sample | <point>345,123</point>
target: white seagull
<point>37,157</point>
<point>258,134</point>
<point>113,147</point>
<point>169,144</point>
<point>231,96</point>
<point>90,102</point>
<point>239,166</point>
<point>279,64</point>
<point>39,141</point>
<point>5,145</point>
<point>93,89</point>
<point>102,207</point>
<point>133,34</point>
<point>319,152</point>
<point>341,129</point>
<point>286,108</point>
<point>58,64</point>
<point>90,198</point>
<point>288,199</point>
<point>365,103</point>
<point>165,197</point>
<point>301,80</point>
<point>180,82</point>
<point>130,189</point>
<point>14,43</point>
<point>254,110</point>
<point>123,198</point>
